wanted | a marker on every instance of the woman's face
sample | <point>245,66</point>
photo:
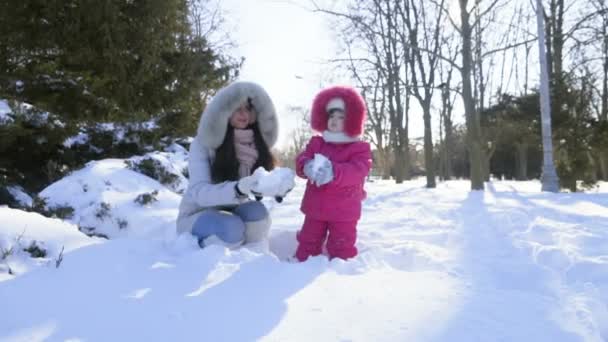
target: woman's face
<point>242,117</point>
<point>335,123</point>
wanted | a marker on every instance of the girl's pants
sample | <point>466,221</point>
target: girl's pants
<point>340,242</point>
<point>248,222</point>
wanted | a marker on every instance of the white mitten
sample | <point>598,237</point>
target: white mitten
<point>286,185</point>
<point>246,184</point>
<point>276,183</point>
<point>325,173</point>
<point>309,170</point>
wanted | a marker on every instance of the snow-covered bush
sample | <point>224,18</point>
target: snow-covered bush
<point>36,249</point>
<point>163,167</point>
<point>153,169</point>
<point>106,198</point>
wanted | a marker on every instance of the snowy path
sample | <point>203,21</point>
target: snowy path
<point>508,264</point>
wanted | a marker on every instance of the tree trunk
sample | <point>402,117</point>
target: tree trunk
<point>471,115</point>
<point>550,180</point>
<point>448,149</point>
<point>487,158</point>
<point>400,166</point>
<point>442,154</point>
<point>604,165</point>
<point>593,168</point>
<point>604,109</point>
<point>522,161</point>
<point>406,159</point>
<point>405,136</point>
<point>397,165</point>
<point>486,166</point>
<point>428,149</point>
<point>384,163</point>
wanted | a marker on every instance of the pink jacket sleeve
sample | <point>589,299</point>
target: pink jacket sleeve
<point>313,146</point>
<point>355,170</point>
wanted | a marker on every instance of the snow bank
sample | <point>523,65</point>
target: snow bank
<point>20,231</point>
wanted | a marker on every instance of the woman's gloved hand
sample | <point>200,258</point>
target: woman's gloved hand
<point>245,184</point>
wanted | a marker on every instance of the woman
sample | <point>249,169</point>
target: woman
<point>235,134</point>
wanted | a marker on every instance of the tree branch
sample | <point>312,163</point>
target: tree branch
<point>512,46</point>
<point>447,14</point>
<point>486,11</point>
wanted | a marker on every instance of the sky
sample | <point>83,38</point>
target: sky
<point>447,264</point>
<point>284,46</point>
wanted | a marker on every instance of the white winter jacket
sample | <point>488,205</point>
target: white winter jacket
<point>201,192</point>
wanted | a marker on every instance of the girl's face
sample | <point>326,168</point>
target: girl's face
<point>242,117</point>
<point>335,123</point>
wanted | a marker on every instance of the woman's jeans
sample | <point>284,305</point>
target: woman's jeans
<point>248,222</point>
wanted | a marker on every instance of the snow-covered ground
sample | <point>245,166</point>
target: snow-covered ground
<point>447,264</point>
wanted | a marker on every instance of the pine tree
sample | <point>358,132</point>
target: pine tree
<point>89,61</point>
<point>104,60</point>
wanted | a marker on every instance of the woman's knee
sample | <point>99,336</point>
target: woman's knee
<point>226,226</point>
<point>251,211</point>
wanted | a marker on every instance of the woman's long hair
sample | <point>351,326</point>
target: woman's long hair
<point>225,167</point>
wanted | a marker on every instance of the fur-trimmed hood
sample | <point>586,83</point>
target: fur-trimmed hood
<point>353,102</point>
<point>214,120</point>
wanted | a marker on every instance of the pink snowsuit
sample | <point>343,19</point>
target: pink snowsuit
<point>335,206</point>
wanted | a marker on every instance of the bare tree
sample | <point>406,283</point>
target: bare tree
<point>207,19</point>
<point>299,137</point>
<point>493,72</point>
<point>427,19</point>
<point>408,66</point>
<point>389,35</point>
<point>446,126</point>
<point>370,74</point>
<point>370,27</point>
<point>208,23</point>
<point>474,141</point>
<point>600,35</point>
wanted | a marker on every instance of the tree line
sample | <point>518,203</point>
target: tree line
<point>479,57</point>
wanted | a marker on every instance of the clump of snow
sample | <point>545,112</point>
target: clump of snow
<point>79,139</point>
<point>277,182</point>
<point>37,117</point>
<point>5,113</point>
<point>319,161</point>
<point>121,131</point>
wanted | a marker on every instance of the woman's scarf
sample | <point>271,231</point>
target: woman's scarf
<point>246,152</point>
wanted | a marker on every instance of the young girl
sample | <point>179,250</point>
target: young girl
<point>235,134</point>
<point>335,165</point>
